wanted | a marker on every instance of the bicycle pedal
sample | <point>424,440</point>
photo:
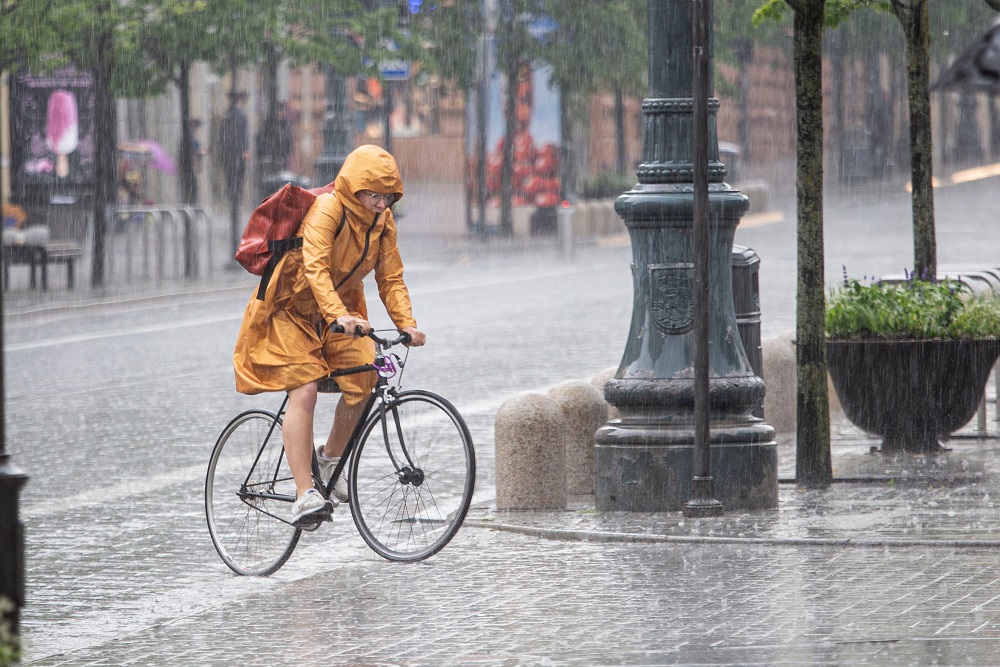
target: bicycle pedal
<point>312,521</point>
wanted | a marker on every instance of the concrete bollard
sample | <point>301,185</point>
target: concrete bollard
<point>759,194</point>
<point>530,441</point>
<point>566,232</point>
<point>778,355</point>
<point>601,379</point>
<point>585,411</point>
<point>781,382</point>
<point>613,223</point>
<point>583,223</point>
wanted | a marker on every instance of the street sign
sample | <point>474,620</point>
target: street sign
<point>395,70</point>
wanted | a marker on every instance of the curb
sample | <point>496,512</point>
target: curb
<point>560,534</point>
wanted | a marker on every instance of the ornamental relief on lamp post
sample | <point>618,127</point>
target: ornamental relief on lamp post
<point>671,287</point>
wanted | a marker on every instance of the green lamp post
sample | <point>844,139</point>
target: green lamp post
<point>645,459</point>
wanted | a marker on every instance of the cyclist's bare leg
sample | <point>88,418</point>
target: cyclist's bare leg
<point>345,418</point>
<point>297,432</point>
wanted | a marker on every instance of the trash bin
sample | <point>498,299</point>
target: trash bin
<point>729,155</point>
<point>544,221</point>
<point>746,303</point>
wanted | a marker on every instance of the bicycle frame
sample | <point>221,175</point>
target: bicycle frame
<point>382,394</point>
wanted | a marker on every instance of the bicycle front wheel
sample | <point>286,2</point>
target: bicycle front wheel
<point>412,477</point>
<point>248,491</point>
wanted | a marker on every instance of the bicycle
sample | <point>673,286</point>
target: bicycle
<point>411,478</point>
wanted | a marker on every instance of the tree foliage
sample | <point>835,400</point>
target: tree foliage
<point>26,38</point>
<point>449,41</point>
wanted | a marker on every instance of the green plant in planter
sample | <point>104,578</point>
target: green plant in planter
<point>911,310</point>
<point>10,644</point>
<point>910,360</point>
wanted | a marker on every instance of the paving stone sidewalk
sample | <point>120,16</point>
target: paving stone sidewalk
<point>946,499</point>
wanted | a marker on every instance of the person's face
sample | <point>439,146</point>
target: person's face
<point>375,202</point>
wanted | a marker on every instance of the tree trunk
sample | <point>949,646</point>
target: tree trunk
<point>567,164</point>
<point>390,104</point>
<point>104,138</point>
<point>744,51</point>
<point>837,51</point>
<point>267,148</point>
<point>507,168</point>
<point>621,161</point>
<point>916,26</point>
<point>481,149</point>
<point>812,460</point>
<point>189,180</point>
<point>467,171</point>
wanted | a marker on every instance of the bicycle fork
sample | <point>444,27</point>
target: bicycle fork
<point>406,471</point>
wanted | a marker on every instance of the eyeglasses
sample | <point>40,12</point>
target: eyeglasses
<point>375,197</point>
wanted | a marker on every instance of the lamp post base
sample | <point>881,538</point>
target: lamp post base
<point>651,470</point>
<point>703,502</point>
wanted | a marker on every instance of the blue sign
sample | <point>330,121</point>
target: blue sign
<point>395,70</point>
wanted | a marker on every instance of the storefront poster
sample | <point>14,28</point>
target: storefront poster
<point>52,130</point>
<point>536,139</point>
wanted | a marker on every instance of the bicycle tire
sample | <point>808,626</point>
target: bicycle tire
<point>250,533</point>
<point>400,517</point>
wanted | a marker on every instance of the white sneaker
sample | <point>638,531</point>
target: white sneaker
<point>326,468</point>
<point>311,507</point>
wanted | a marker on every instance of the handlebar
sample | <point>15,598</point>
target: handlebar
<point>385,343</point>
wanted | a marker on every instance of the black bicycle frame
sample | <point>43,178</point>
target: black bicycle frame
<point>379,391</point>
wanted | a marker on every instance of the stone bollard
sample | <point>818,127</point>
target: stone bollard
<point>759,194</point>
<point>530,446</point>
<point>583,224</point>
<point>585,411</point>
<point>601,379</point>
<point>781,382</point>
<point>778,355</point>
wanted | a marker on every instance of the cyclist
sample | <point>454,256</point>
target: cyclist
<point>285,342</point>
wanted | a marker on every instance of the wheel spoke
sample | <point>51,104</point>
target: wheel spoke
<point>250,533</point>
<point>411,517</point>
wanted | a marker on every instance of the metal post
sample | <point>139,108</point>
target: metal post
<point>996,391</point>
<point>645,460</point>
<point>702,500</point>
<point>190,262</point>
<point>11,528</point>
<point>390,102</point>
<point>483,91</point>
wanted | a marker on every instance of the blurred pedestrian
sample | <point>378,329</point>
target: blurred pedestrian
<point>274,151</point>
<point>235,151</point>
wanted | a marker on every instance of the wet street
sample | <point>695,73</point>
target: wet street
<point>113,407</point>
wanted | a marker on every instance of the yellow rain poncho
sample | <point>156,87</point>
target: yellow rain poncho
<point>283,343</point>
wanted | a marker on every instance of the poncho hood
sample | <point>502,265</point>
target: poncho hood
<point>367,167</point>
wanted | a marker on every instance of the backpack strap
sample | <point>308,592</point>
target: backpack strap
<point>279,247</point>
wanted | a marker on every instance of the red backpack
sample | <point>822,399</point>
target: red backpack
<point>270,232</point>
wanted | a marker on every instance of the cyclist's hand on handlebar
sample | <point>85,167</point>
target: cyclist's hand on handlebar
<point>354,325</point>
<point>417,337</point>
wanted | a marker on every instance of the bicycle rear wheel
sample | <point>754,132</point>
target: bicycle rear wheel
<point>410,491</point>
<point>248,491</point>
